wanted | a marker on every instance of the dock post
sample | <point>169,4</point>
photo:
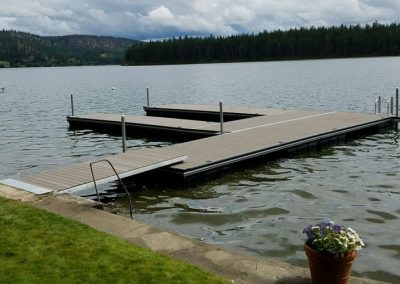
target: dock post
<point>72,105</point>
<point>391,105</point>
<point>221,117</point>
<point>148,97</point>
<point>397,102</point>
<point>379,104</point>
<point>123,133</point>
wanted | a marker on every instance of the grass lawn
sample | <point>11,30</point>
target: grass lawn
<point>41,247</point>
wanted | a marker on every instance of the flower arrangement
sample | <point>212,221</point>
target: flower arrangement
<point>331,239</point>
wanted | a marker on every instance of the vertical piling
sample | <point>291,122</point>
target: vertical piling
<point>123,133</point>
<point>72,105</point>
<point>397,102</point>
<point>148,97</point>
<point>221,117</point>
<point>379,104</point>
<point>391,105</point>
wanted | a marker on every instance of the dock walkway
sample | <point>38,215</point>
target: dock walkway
<point>251,133</point>
<point>135,124</point>
<point>268,135</point>
<point>78,176</point>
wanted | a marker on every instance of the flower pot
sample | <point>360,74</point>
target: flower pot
<point>329,269</point>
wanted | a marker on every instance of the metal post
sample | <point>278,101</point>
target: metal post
<point>148,97</point>
<point>379,104</point>
<point>391,105</point>
<point>123,133</point>
<point>72,105</point>
<point>221,117</point>
<point>397,102</point>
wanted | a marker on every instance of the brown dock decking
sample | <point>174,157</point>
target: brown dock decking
<point>259,132</point>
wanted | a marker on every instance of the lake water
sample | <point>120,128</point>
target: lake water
<point>260,210</point>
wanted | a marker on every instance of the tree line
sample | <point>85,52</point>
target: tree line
<point>303,43</point>
<point>26,49</point>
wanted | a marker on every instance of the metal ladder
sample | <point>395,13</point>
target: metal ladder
<point>392,105</point>
<point>95,185</point>
<point>389,105</point>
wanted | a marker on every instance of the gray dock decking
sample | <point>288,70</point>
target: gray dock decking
<point>78,176</point>
<point>263,132</point>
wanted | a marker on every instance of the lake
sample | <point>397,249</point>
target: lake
<point>260,210</point>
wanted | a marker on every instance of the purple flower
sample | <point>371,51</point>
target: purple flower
<point>307,230</point>
<point>337,228</point>
<point>331,239</point>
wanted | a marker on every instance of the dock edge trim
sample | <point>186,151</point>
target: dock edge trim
<point>26,186</point>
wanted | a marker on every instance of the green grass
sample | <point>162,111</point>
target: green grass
<point>41,247</point>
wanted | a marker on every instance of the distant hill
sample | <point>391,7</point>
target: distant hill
<point>25,49</point>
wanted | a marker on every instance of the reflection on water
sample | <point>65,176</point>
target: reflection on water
<point>261,210</point>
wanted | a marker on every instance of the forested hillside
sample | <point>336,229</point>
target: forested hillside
<point>332,42</point>
<point>25,49</point>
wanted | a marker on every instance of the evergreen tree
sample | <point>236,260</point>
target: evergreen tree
<point>322,42</point>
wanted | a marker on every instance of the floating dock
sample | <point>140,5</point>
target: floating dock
<point>268,132</point>
<point>248,134</point>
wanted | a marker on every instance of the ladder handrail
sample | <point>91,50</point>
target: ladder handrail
<point>95,185</point>
<point>381,101</point>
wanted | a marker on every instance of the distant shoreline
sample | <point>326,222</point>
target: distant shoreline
<point>202,63</point>
<point>295,44</point>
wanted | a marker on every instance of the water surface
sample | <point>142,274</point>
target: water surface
<point>260,210</point>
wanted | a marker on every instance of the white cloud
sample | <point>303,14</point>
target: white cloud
<point>155,18</point>
<point>162,15</point>
<point>238,14</point>
<point>204,6</point>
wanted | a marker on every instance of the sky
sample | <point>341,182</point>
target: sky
<point>154,19</point>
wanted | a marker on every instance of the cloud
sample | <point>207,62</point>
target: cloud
<point>154,18</point>
<point>98,15</point>
<point>161,15</point>
<point>238,14</point>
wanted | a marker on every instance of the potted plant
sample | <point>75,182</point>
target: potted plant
<point>331,250</point>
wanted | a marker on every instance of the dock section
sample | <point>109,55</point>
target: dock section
<point>258,132</point>
<point>264,132</point>
<point>144,125</point>
<point>271,136</point>
<point>78,176</point>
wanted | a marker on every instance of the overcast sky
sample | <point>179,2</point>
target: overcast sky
<point>146,19</point>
